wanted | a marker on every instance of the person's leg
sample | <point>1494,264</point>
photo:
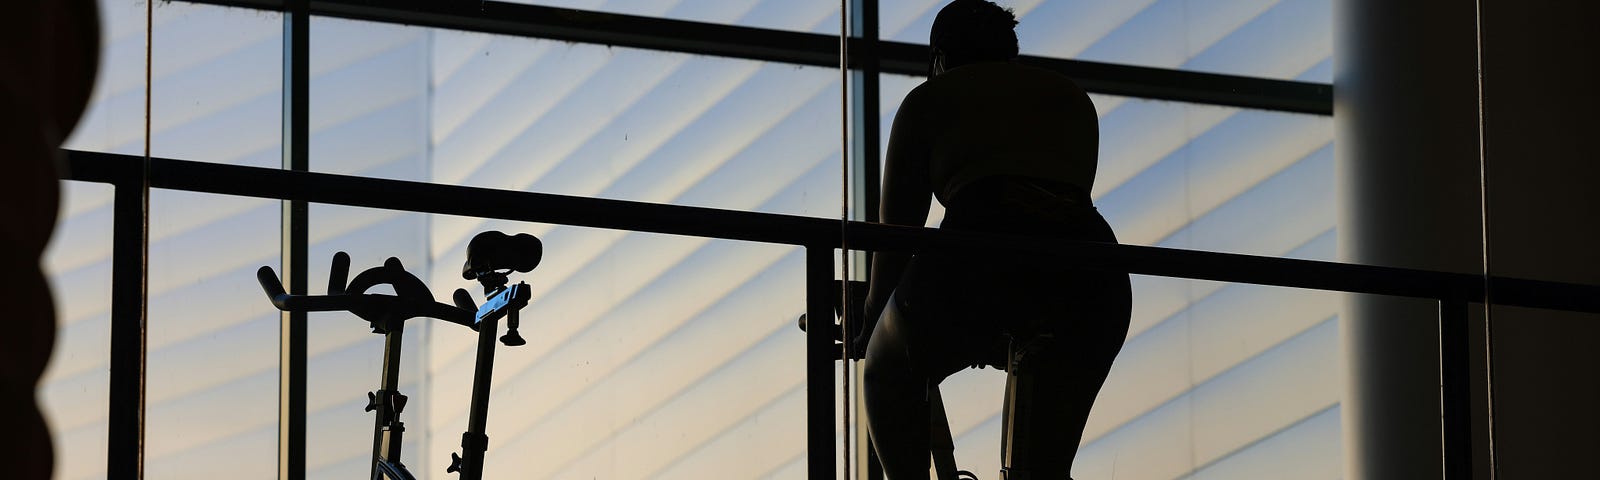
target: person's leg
<point>1067,377</point>
<point>896,399</point>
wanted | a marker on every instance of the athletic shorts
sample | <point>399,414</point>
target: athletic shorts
<point>967,306</point>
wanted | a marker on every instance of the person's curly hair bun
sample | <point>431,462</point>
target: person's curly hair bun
<point>976,30</point>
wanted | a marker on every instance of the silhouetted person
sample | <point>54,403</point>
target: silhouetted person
<point>1006,148</point>
<point>47,67</point>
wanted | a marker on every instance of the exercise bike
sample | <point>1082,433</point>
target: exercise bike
<point>491,257</point>
<point>1014,457</point>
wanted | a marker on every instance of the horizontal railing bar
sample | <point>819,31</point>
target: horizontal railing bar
<point>1189,264</point>
<point>424,197</point>
<point>809,231</point>
<point>801,48</point>
<point>114,169</point>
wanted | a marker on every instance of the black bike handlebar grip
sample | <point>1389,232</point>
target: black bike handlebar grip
<point>338,273</point>
<point>492,250</point>
<point>299,303</point>
<point>836,332</point>
<point>464,300</point>
<point>269,283</point>
<point>274,289</point>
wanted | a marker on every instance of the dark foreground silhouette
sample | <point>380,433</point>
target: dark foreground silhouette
<point>47,68</point>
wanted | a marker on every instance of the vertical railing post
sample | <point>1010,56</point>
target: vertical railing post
<point>292,329</point>
<point>861,105</point>
<point>862,180</point>
<point>1455,389</point>
<point>820,354</point>
<point>125,420</point>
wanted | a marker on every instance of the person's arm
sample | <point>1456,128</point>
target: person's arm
<point>906,196</point>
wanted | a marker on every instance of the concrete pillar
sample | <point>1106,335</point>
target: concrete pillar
<point>1405,115</point>
<point>1409,148</point>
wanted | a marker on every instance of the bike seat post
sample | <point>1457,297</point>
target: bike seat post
<point>1018,415</point>
<point>474,442</point>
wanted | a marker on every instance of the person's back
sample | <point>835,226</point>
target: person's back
<point>1004,119</point>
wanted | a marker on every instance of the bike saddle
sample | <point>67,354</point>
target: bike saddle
<point>493,251</point>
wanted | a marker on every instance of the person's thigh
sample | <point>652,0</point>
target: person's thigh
<point>1067,379</point>
<point>948,316</point>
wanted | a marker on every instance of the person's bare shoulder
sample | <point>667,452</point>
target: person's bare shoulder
<point>925,92</point>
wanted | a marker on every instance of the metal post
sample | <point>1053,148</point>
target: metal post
<point>125,424</point>
<point>475,441</point>
<point>292,330</point>
<point>820,353</point>
<point>1455,371</point>
<point>862,67</point>
<point>863,107</point>
<point>388,386</point>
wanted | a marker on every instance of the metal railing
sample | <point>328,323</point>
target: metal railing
<point>857,51</point>
<point>819,236</point>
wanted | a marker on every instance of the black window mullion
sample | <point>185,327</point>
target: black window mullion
<point>295,239</point>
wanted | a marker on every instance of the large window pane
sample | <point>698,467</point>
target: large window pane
<point>212,403</point>
<point>1215,380</point>
<point>574,119</point>
<point>216,89</point>
<point>1287,39</point>
<point>618,123</point>
<point>212,368</point>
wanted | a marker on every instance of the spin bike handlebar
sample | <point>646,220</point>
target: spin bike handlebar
<point>491,257</point>
<point>857,307</point>
<point>412,298</point>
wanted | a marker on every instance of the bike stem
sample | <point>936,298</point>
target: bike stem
<point>388,430</point>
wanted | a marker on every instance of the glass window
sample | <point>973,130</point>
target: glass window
<point>574,119</point>
<point>212,369</point>
<point>1285,39</point>
<point>216,90</point>
<point>597,121</point>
